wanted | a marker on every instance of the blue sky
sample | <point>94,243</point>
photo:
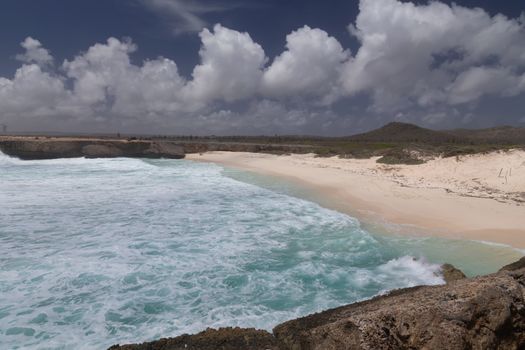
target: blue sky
<point>270,66</point>
<point>69,26</point>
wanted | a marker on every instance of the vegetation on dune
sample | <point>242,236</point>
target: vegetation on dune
<point>394,143</point>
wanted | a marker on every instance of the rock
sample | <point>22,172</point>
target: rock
<point>480,313</point>
<point>451,273</point>
<point>34,148</point>
<point>520,264</point>
<point>223,339</point>
<point>40,149</point>
<point>167,149</point>
<point>28,147</point>
<point>98,151</point>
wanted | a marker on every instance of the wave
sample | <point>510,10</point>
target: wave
<point>413,271</point>
<point>124,250</point>
<point>5,159</point>
<point>115,164</point>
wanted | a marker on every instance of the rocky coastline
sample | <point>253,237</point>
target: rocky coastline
<point>486,312</point>
<point>51,148</point>
<point>38,148</point>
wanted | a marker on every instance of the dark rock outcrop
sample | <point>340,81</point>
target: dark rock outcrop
<point>101,151</point>
<point>480,313</point>
<point>33,148</point>
<point>29,148</point>
<point>451,273</point>
<point>223,339</point>
<point>520,264</point>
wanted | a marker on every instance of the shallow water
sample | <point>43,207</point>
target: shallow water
<point>98,252</point>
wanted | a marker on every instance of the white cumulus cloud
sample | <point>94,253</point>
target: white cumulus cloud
<point>105,80</point>
<point>32,93</point>
<point>478,81</point>
<point>231,66</point>
<point>413,54</point>
<point>35,53</point>
<point>311,65</point>
<point>430,63</point>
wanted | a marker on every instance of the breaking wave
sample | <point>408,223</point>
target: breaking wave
<point>95,252</point>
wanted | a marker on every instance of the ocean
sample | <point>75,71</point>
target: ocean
<point>95,252</point>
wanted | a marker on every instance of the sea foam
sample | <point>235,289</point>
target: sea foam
<point>101,251</point>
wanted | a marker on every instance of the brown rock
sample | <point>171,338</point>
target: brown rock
<point>166,149</point>
<point>34,148</point>
<point>520,264</point>
<point>451,273</point>
<point>223,339</point>
<point>97,151</point>
<point>481,313</point>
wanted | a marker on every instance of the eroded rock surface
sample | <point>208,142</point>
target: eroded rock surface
<point>98,151</point>
<point>44,148</point>
<point>520,264</point>
<point>33,147</point>
<point>480,313</point>
<point>451,273</point>
<point>223,339</point>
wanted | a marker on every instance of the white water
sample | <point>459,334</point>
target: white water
<point>98,252</point>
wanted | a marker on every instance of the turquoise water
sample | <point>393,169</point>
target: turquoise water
<point>98,252</point>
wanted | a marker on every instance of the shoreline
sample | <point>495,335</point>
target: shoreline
<point>416,318</point>
<point>454,198</point>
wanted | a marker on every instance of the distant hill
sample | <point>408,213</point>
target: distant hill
<point>404,132</point>
<point>501,134</point>
<point>410,133</point>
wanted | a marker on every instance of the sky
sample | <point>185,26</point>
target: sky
<point>253,67</point>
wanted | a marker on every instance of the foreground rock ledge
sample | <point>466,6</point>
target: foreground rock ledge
<point>480,313</point>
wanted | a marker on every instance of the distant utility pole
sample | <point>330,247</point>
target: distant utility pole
<point>4,128</point>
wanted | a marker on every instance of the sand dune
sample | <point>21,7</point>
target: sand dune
<point>480,197</point>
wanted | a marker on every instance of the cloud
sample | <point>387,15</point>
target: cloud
<point>413,54</point>
<point>435,64</point>
<point>311,65</point>
<point>187,15</point>
<point>231,66</point>
<point>102,71</point>
<point>35,53</point>
<point>268,117</point>
<point>32,93</point>
<point>106,82</point>
<point>478,81</point>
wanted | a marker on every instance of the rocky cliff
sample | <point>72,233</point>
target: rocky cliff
<point>28,147</point>
<point>35,148</point>
<point>480,313</point>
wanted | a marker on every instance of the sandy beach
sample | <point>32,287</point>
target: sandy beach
<point>478,197</point>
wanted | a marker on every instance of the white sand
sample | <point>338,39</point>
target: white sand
<point>479,197</point>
